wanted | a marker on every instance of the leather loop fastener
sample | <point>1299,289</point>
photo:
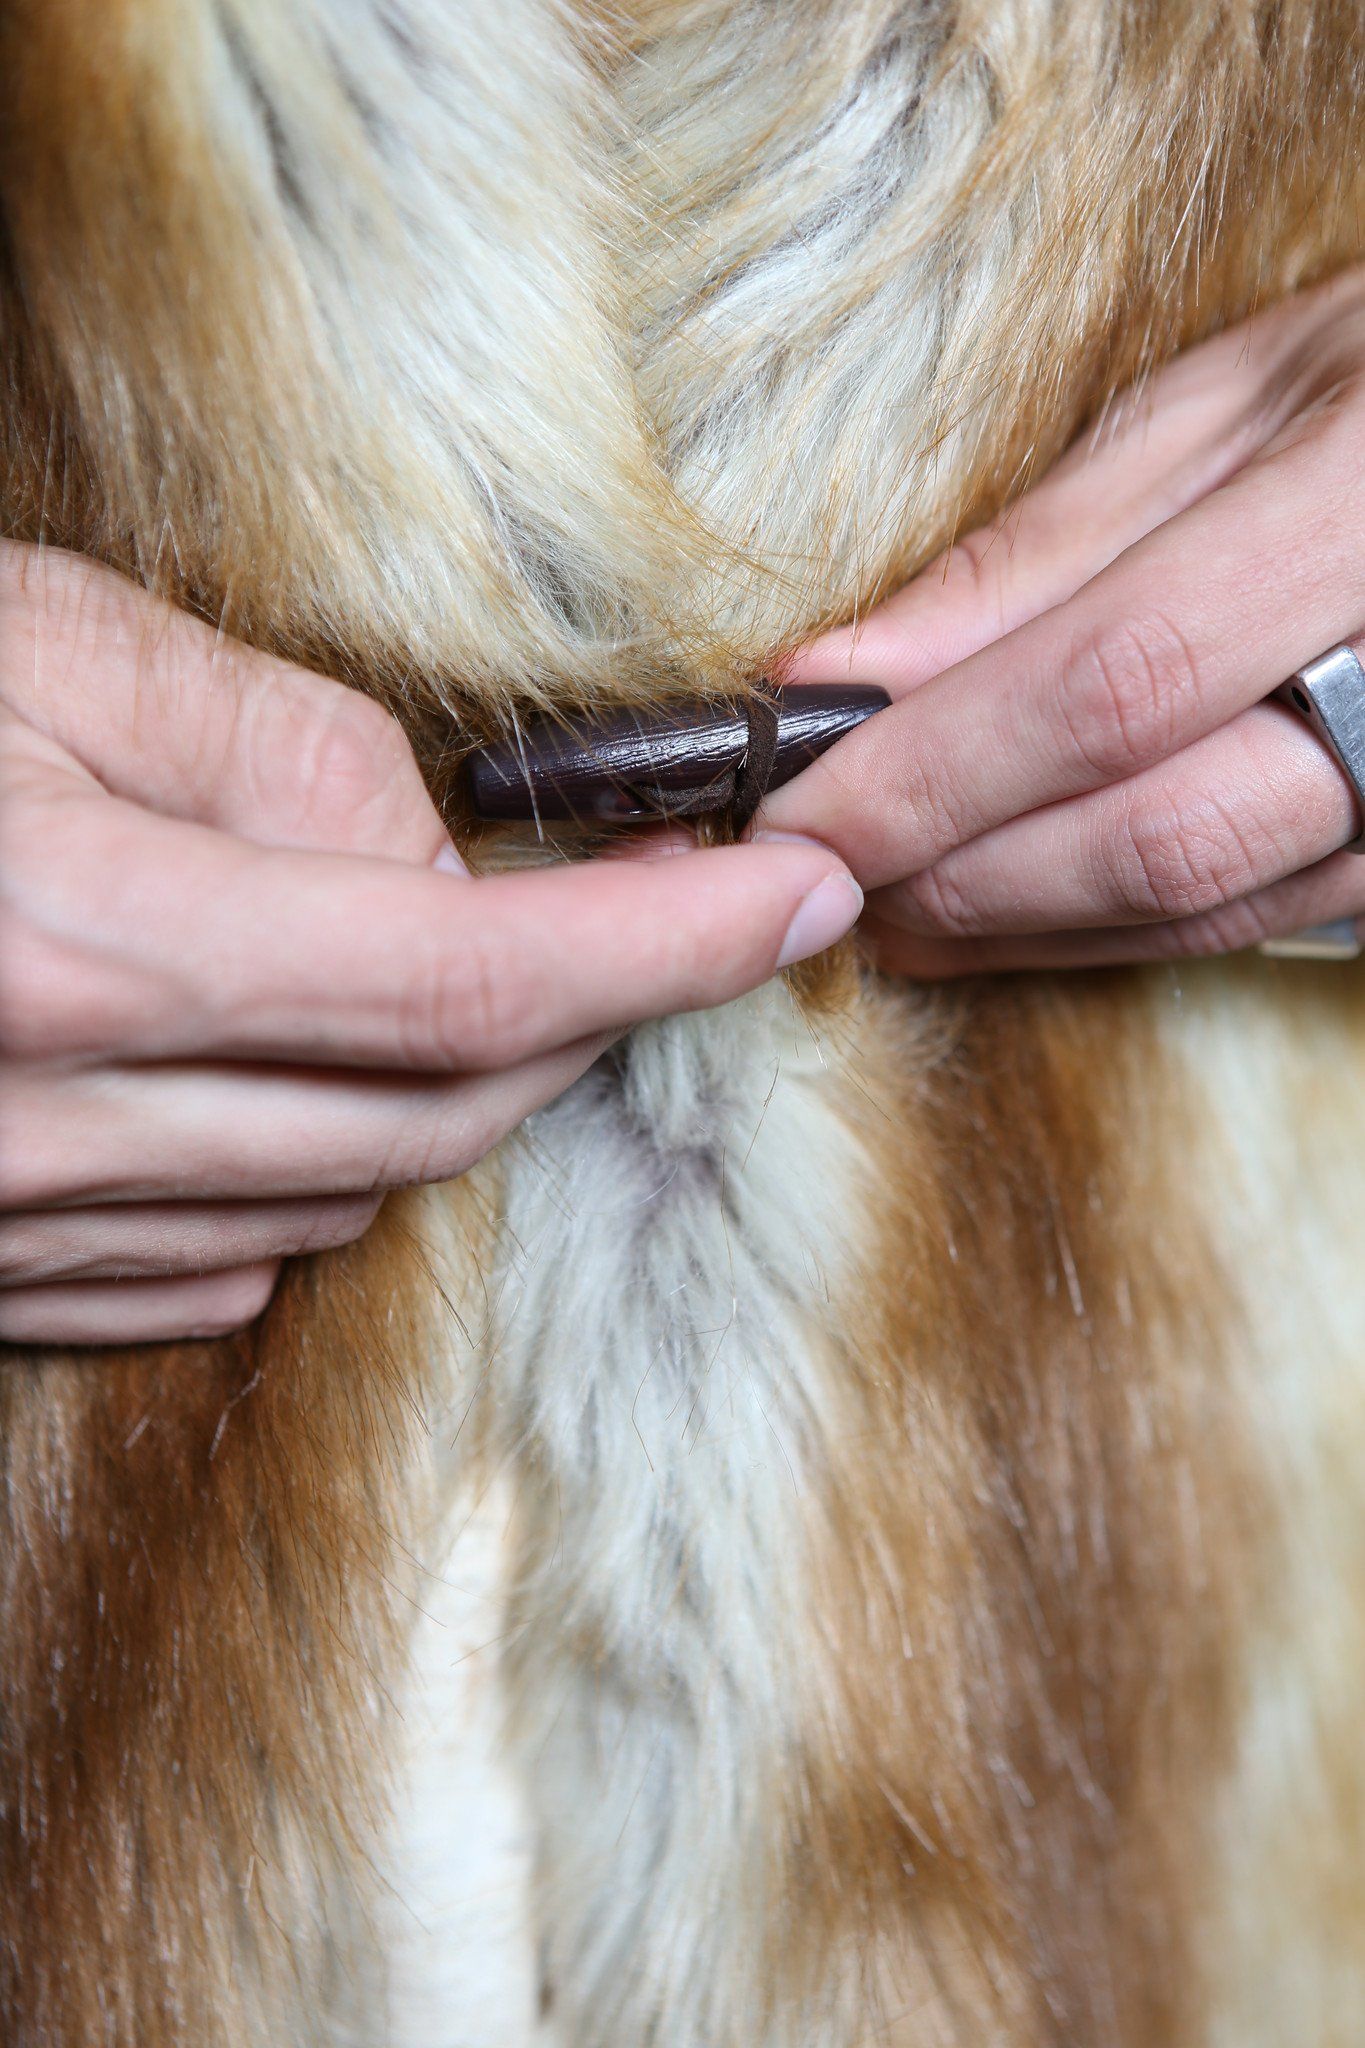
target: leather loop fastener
<point>689,761</point>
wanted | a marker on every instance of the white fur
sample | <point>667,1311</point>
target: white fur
<point>681,1222</point>
<point>457,1935</point>
<point>1287,1186</point>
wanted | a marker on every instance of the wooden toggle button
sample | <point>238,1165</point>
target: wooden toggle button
<point>688,761</point>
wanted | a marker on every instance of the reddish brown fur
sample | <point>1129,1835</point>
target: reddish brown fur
<point>1035,1691</point>
<point>202,1563</point>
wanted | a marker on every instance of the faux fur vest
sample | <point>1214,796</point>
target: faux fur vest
<point>851,1527</point>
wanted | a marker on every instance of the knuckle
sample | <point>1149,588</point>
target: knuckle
<point>1232,929</point>
<point>979,568</point>
<point>932,818</point>
<point>1126,693</point>
<point>971,565</point>
<point>346,751</point>
<point>1177,865</point>
<point>941,903</point>
<point>471,1011</point>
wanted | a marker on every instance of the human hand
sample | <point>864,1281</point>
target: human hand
<point>239,998</point>
<point>1081,766</point>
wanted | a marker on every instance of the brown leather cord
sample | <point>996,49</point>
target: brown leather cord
<point>755,768</point>
<point>740,790</point>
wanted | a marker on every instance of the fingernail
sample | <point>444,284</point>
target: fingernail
<point>776,838</point>
<point>449,862</point>
<point>651,845</point>
<point>823,916</point>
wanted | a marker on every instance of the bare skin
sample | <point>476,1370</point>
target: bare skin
<point>1080,766</point>
<point>247,984</point>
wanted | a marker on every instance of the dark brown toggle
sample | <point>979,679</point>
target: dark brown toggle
<point>687,762</point>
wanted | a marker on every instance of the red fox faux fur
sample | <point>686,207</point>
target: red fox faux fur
<point>935,1603</point>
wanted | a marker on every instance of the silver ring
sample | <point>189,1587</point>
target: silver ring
<point>1330,694</point>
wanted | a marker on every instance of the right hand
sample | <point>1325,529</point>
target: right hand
<point>246,985</point>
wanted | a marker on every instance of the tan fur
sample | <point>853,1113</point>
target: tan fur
<point>818,286</point>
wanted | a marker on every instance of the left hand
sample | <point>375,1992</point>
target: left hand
<point>1080,765</point>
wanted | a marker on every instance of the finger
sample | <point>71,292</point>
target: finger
<point>169,714</point>
<point>180,941</point>
<point>239,1134</point>
<point>1331,893</point>
<point>1157,450</point>
<point>1231,815</point>
<point>118,1241</point>
<point>1186,629</point>
<point>135,1311</point>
